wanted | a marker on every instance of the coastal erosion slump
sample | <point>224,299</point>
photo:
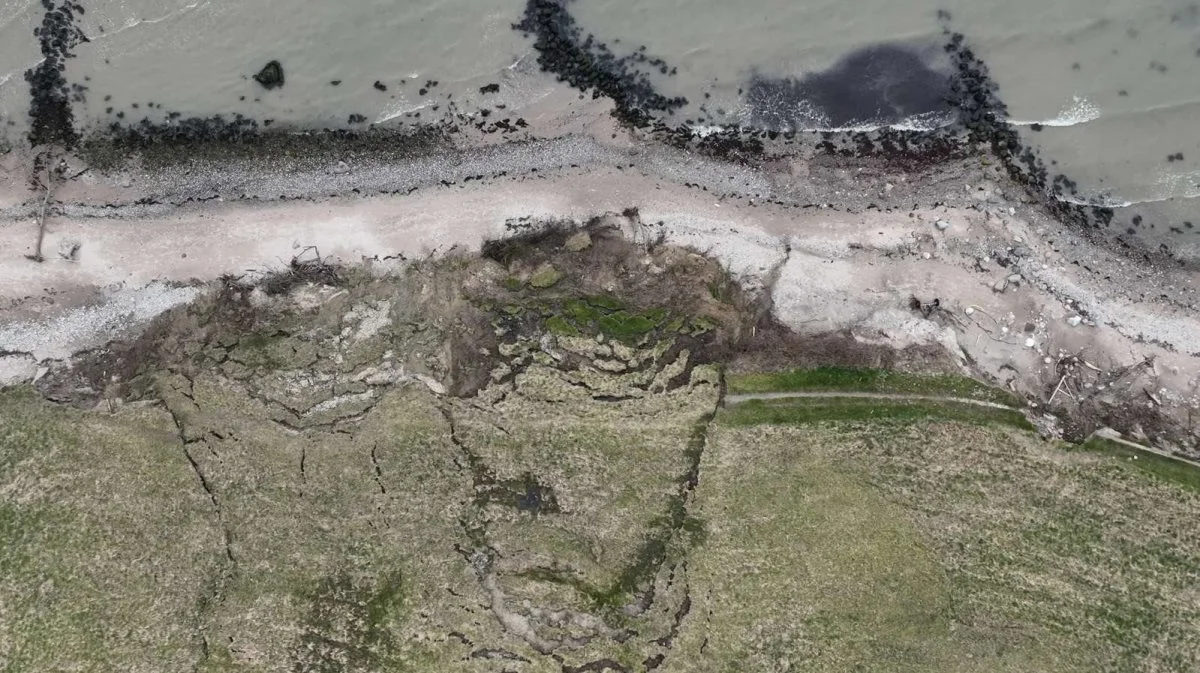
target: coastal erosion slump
<point>1004,316</point>
<point>337,419</point>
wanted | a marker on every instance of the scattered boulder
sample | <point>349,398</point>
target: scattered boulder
<point>578,242</point>
<point>1074,321</point>
<point>545,276</point>
<point>1000,285</point>
<point>942,225</point>
<point>69,250</point>
<point>17,368</point>
<point>271,76</point>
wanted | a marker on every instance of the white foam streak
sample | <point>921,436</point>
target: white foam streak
<point>1080,111</point>
<point>9,75</point>
<point>1168,188</point>
<point>134,23</point>
<point>399,109</point>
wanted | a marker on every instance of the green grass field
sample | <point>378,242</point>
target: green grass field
<point>850,379</point>
<point>1161,467</point>
<point>907,542</point>
<point>807,534</point>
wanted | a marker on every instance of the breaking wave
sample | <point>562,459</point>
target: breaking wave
<point>1080,111</point>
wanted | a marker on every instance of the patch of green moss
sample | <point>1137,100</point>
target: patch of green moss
<point>607,316</point>
<point>262,350</point>
<point>546,276</point>
<point>349,624</point>
<point>672,534</point>
<point>723,289</point>
<point>560,326</point>
<point>855,379</point>
<point>606,302</point>
<point>699,325</point>
<point>512,284</point>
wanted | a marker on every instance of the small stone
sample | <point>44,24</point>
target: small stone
<point>942,225</point>
<point>1000,285</point>
<point>578,242</point>
<point>927,255</point>
<point>1030,342</point>
<point>1015,278</point>
<point>1047,360</point>
<point>1074,321</point>
<point>969,311</point>
<point>545,276</point>
<point>271,76</point>
<point>69,250</point>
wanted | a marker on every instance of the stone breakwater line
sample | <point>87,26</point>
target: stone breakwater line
<point>53,123</point>
<point>565,50</point>
<point>973,95</point>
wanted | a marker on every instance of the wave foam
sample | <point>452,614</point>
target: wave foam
<point>1080,111</point>
<point>1168,188</point>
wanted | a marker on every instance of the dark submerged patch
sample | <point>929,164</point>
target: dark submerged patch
<point>880,84</point>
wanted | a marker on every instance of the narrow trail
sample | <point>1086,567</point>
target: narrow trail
<point>904,397</point>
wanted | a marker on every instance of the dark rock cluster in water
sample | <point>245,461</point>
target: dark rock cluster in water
<point>589,65</point>
<point>877,85</point>
<point>271,75</point>
<point>52,122</point>
<point>238,129</point>
<point>975,95</point>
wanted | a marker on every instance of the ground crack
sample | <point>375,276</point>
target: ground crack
<point>378,470</point>
<point>185,443</point>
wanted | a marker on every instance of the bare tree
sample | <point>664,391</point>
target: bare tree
<point>49,168</point>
